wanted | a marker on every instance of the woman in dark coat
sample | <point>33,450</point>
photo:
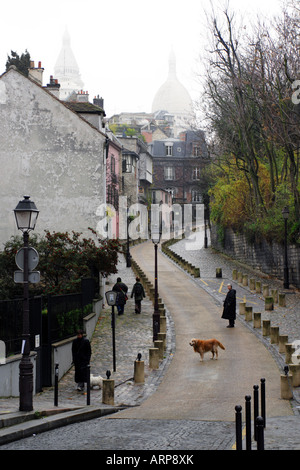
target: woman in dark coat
<point>229,310</point>
<point>81,353</point>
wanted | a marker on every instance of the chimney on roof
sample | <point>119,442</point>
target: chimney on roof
<point>36,73</point>
<point>82,97</point>
<point>97,101</point>
<point>53,86</point>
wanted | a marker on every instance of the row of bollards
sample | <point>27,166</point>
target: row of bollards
<point>186,265</point>
<point>259,419</point>
<point>292,357</point>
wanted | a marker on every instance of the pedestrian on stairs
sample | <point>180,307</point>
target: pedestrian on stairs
<point>138,293</point>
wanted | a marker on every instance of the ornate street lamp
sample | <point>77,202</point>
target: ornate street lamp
<point>128,255</point>
<point>111,299</point>
<point>286,283</point>
<point>26,215</point>
<point>156,235</point>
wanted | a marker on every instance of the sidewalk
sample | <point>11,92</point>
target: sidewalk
<point>133,336</point>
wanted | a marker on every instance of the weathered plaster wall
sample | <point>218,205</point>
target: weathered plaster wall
<point>49,153</point>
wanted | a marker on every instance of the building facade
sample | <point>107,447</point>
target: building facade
<point>178,164</point>
<point>50,153</point>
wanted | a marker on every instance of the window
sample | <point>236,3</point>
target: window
<point>127,164</point>
<point>113,165</point>
<point>172,191</point>
<point>169,173</point>
<point>196,195</point>
<point>196,173</point>
<point>169,150</point>
<point>196,150</point>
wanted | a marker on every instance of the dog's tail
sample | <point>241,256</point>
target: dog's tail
<point>221,345</point>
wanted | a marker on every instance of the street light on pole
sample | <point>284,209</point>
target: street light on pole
<point>156,235</point>
<point>26,215</point>
<point>128,256</point>
<point>286,283</point>
<point>111,299</point>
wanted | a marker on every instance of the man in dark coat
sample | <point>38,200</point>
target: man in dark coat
<point>81,353</point>
<point>122,289</point>
<point>229,310</point>
<point>138,293</point>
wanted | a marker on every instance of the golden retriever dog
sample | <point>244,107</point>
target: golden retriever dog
<point>202,346</point>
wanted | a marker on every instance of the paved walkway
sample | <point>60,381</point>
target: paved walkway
<point>208,390</point>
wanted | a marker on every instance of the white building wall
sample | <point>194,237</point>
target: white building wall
<point>49,153</point>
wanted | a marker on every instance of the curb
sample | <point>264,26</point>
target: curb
<point>30,426</point>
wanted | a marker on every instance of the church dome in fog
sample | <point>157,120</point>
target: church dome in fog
<point>172,96</point>
<point>66,69</point>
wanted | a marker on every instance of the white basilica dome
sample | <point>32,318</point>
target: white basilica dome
<point>172,96</point>
<point>66,69</point>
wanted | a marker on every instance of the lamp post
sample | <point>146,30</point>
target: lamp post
<point>26,215</point>
<point>285,215</point>
<point>111,298</point>
<point>156,234</point>
<point>205,228</point>
<point>128,256</point>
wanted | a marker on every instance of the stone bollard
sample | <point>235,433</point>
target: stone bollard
<point>153,358</point>
<point>258,287</point>
<point>239,277</point>
<point>242,308</point>
<point>163,324</point>
<point>283,339</point>
<point>252,284</point>
<point>139,374</point>
<point>281,300</point>
<point>289,350</point>
<point>218,272</point>
<point>265,291</point>
<point>274,334</point>
<point>256,320</point>
<point>269,305</point>
<point>152,293</point>
<point>160,345</point>
<point>274,294</point>
<point>196,272</point>
<point>162,337</point>
<point>248,313</point>
<point>285,389</point>
<point>234,275</point>
<point>266,328</point>
<point>295,371</point>
<point>245,280</point>
<point>108,391</point>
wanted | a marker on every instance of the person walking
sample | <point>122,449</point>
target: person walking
<point>81,354</point>
<point>139,293</point>
<point>122,289</point>
<point>229,310</point>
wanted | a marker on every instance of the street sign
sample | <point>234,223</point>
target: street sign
<point>33,277</point>
<point>33,258</point>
